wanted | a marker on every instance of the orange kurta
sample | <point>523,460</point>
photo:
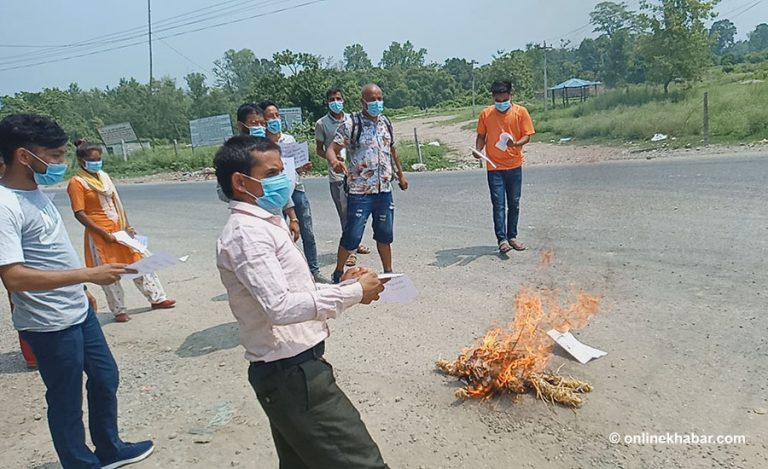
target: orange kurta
<point>98,251</point>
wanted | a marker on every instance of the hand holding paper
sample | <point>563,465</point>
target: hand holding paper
<point>504,139</point>
<point>126,239</point>
<point>152,264</point>
<point>482,157</point>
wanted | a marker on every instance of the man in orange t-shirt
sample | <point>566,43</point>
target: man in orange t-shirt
<point>504,128</point>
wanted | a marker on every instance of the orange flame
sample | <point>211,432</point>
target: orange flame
<point>506,359</point>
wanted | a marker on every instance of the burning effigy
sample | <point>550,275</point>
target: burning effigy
<point>513,359</point>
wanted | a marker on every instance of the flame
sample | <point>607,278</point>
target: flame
<point>514,358</point>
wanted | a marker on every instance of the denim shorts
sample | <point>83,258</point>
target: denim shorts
<point>362,206</point>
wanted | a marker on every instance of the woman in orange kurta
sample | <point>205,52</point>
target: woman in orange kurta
<point>97,206</point>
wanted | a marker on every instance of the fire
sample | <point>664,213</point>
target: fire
<point>514,358</point>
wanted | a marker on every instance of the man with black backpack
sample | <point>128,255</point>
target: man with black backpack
<point>373,162</point>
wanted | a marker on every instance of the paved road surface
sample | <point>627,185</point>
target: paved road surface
<point>678,248</point>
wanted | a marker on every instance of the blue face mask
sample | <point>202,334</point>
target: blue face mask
<point>274,126</point>
<point>375,108</point>
<point>503,106</point>
<point>257,131</point>
<point>54,172</point>
<point>277,191</point>
<point>336,106</point>
<point>94,166</point>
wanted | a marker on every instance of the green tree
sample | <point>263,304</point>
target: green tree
<point>678,46</point>
<point>461,71</point>
<point>758,39</point>
<point>513,66</point>
<point>610,17</point>
<point>356,58</point>
<point>238,69</point>
<point>722,35</point>
<point>403,55</point>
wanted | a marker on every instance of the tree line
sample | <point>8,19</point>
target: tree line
<point>664,42</point>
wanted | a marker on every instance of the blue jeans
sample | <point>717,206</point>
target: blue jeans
<point>62,357</point>
<point>506,187</point>
<point>362,206</point>
<point>304,214</point>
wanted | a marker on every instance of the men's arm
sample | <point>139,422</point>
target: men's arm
<point>18,278</point>
<point>258,269</point>
<point>480,142</point>
<point>293,222</point>
<point>403,182</point>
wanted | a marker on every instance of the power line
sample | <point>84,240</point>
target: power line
<point>98,42</point>
<point>181,33</point>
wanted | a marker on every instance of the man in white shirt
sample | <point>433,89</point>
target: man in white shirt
<point>41,270</point>
<point>282,315</point>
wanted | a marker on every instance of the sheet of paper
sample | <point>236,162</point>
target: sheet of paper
<point>389,276</point>
<point>152,264</point>
<point>503,139</point>
<point>298,151</point>
<point>480,155</point>
<point>581,352</point>
<point>124,238</point>
<point>289,167</point>
<point>143,240</point>
<point>398,289</point>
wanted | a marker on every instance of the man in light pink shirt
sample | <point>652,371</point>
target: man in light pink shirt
<point>282,315</point>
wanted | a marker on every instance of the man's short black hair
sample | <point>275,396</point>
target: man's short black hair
<point>23,130</point>
<point>246,110</point>
<point>501,86</point>
<point>265,104</point>
<point>235,157</point>
<point>332,92</point>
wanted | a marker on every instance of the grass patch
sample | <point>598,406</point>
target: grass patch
<point>165,160</point>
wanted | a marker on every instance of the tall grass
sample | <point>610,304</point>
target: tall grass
<point>736,109</point>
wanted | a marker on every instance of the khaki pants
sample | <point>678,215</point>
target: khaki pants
<point>314,424</point>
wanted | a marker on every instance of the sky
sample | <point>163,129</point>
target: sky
<point>474,30</point>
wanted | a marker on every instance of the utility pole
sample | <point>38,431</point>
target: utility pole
<point>473,88</point>
<point>545,76</point>
<point>149,29</point>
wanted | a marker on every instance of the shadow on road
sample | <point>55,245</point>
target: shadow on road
<point>12,363</point>
<point>465,256</point>
<point>213,339</point>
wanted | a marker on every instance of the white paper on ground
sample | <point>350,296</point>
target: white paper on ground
<point>503,139</point>
<point>399,289</point>
<point>299,152</point>
<point>581,352</point>
<point>480,155</point>
<point>152,264</point>
<point>124,238</point>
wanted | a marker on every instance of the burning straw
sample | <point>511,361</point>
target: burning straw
<point>513,359</point>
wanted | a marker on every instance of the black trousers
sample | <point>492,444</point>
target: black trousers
<point>313,423</point>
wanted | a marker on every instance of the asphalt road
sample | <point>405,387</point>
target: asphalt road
<point>677,247</point>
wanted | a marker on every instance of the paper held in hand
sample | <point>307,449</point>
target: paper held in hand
<point>299,152</point>
<point>504,138</point>
<point>481,156</point>
<point>152,264</point>
<point>581,352</point>
<point>136,244</point>
<point>398,289</point>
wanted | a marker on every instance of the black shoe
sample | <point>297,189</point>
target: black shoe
<point>337,276</point>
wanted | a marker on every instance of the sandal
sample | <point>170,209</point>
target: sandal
<point>504,247</point>
<point>517,245</point>
<point>363,249</point>
<point>351,260</point>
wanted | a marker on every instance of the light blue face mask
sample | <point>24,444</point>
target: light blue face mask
<point>257,131</point>
<point>336,106</point>
<point>275,126</point>
<point>54,172</point>
<point>503,106</point>
<point>375,108</point>
<point>94,166</point>
<point>277,191</point>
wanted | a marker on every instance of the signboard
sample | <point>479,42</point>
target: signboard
<point>290,116</point>
<point>115,133</point>
<point>212,130</point>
